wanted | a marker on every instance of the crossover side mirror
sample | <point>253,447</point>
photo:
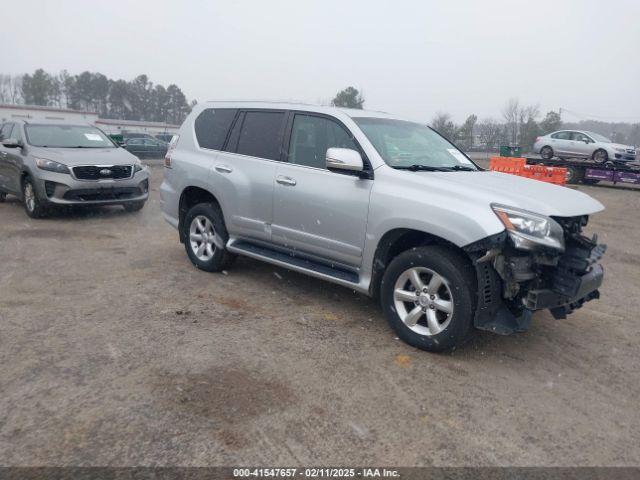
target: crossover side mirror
<point>11,143</point>
<point>344,159</point>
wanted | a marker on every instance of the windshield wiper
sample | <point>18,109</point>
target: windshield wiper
<point>464,168</point>
<point>423,168</point>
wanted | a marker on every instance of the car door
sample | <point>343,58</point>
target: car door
<point>581,144</point>
<point>243,172</point>
<point>6,160</point>
<point>3,156</point>
<point>560,142</point>
<point>14,160</point>
<point>319,213</point>
<point>136,146</point>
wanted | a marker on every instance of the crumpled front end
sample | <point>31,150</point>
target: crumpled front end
<point>513,283</point>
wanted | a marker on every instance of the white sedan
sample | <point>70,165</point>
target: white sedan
<point>582,144</point>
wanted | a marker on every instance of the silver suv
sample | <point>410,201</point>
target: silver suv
<point>56,164</point>
<point>383,206</point>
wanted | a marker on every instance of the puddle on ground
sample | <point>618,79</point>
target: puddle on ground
<point>227,395</point>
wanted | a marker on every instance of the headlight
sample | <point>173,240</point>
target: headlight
<point>530,231</point>
<point>51,166</point>
<point>621,150</point>
<point>138,167</point>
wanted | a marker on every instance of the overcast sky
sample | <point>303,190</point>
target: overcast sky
<point>411,58</point>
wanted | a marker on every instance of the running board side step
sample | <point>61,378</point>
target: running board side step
<point>303,265</point>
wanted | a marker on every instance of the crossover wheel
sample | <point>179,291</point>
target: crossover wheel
<point>205,236</point>
<point>133,206</point>
<point>3,197</point>
<point>427,294</point>
<point>600,156</point>
<point>546,152</point>
<point>32,204</point>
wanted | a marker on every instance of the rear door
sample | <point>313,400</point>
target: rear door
<point>561,143</point>
<point>319,213</point>
<point>243,171</point>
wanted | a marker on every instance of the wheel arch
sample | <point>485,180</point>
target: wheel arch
<point>399,240</point>
<point>191,196</point>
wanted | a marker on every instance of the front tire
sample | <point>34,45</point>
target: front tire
<point>32,204</point>
<point>546,152</point>
<point>3,197</point>
<point>600,156</point>
<point>205,236</point>
<point>428,297</point>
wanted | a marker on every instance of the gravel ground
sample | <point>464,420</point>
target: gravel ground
<point>116,351</point>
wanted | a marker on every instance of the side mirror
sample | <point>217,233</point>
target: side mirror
<point>344,159</point>
<point>586,140</point>
<point>11,143</point>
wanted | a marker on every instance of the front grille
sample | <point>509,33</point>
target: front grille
<point>99,172</point>
<point>98,194</point>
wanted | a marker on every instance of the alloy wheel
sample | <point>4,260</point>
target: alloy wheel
<point>29,197</point>
<point>423,301</point>
<point>203,238</point>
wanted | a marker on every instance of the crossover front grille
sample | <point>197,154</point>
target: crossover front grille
<point>102,172</point>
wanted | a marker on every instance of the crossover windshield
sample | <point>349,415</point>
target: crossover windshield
<point>67,136</point>
<point>411,146</point>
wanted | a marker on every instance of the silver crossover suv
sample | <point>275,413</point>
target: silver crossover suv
<point>49,164</point>
<point>582,144</point>
<point>383,206</point>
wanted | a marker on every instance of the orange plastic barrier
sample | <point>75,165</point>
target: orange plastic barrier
<point>518,166</point>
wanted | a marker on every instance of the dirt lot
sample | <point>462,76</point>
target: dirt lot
<point>116,351</point>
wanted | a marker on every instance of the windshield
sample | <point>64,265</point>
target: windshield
<point>599,138</point>
<point>67,136</point>
<point>404,144</point>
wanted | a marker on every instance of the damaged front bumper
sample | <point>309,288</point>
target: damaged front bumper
<point>513,283</point>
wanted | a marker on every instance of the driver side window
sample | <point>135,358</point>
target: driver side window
<point>311,136</point>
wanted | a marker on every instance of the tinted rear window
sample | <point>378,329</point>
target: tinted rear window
<point>212,127</point>
<point>260,135</point>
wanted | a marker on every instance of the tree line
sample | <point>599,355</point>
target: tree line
<point>137,99</point>
<point>520,125</point>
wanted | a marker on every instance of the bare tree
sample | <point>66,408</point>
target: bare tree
<point>490,132</point>
<point>511,115</point>
<point>520,121</point>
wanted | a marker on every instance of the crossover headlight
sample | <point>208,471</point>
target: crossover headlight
<point>51,166</point>
<point>621,150</point>
<point>530,231</point>
<point>138,167</point>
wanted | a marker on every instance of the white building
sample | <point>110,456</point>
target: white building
<point>36,112</point>
<point>110,126</point>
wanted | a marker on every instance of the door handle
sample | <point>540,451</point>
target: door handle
<point>224,169</point>
<point>288,181</point>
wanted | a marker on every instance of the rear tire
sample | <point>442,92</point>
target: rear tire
<point>574,175</point>
<point>3,197</point>
<point>205,238</point>
<point>546,152</point>
<point>32,204</point>
<point>133,206</point>
<point>424,315</point>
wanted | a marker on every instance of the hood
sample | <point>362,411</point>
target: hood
<point>501,188</point>
<point>86,156</point>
